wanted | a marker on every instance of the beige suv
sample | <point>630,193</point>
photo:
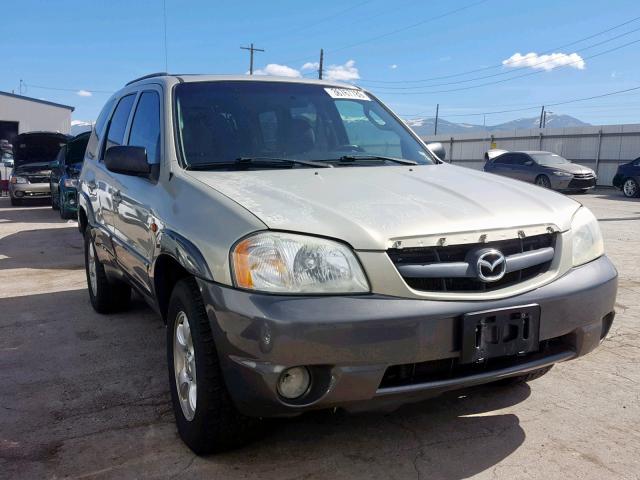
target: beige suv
<point>307,250</point>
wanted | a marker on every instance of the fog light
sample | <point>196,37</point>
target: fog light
<point>19,193</point>
<point>294,382</point>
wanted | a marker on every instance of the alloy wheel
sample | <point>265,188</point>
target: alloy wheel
<point>184,366</point>
<point>630,188</point>
<point>93,270</point>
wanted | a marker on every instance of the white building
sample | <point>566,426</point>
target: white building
<point>19,114</point>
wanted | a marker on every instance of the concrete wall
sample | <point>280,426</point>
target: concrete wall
<point>602,148</point>
<point>34,115</point>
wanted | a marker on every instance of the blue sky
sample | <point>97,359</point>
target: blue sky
<point>97,46</point>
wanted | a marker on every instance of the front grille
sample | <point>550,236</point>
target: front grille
<point>38,179</point>
<point>458,253</point>
<point>451,368</point>
<point>582,182</point>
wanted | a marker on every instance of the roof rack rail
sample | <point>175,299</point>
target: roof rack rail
<point>151,75</point>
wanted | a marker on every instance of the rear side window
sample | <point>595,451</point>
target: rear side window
<point>505,159</point>
<point>145,128</point>
<point>118,123</point>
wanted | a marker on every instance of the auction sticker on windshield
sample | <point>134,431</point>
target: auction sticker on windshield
<point>350,93</point>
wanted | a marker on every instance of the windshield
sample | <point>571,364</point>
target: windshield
<point>220,122</point>
<point>549,159</point>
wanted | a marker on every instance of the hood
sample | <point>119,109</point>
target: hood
<point>570,168</point>
<point>37,147</point>
<point>35,168</point>
<point>368,207</point>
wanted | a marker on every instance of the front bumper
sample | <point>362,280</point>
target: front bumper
<point>351,341</point>
<point>572,183</point>
<point>29,190</point>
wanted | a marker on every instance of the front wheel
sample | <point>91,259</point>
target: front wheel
<point>630,188</point>
<point>106,296</point>
<point>206,417</point>
<point>543,181</point>
<point>16,202</point>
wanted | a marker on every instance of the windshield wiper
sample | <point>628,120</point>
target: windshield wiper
<point>250,161</point>
<point>355,158</point>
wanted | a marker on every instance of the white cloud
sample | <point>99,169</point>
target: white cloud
<point>393,67</point>
<point>343,73</point>
<point>84,93</point>
<point>80,123</point>
<point>545,62</point>
<point>278,71</point>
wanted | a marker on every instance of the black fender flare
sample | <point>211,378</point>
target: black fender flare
<point>183,251</point>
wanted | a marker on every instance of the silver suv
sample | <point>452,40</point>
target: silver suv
<point>307,250</point>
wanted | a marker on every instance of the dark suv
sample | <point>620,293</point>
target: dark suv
<point>545,169</point>
<point>627,178</point>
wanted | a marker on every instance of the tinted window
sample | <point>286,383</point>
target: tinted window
<point>520,159</point>
<point>118,123</point>
<point>637,162</point>
<point>505,159</point>
<point>145,128</point>
<point>549,159</point>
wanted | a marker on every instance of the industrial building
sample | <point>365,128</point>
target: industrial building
<point>19,114</point>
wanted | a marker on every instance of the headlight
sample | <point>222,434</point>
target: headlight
<point>587,238</point>
<point>562,174</point>
<point>70,182</point>
<point>287,263</point>
<point>15,180</point>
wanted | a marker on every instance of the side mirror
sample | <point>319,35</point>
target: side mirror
<point>438,150</point>
<point>127,160</point>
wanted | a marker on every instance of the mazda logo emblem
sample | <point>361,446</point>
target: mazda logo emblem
<point>491,265</point>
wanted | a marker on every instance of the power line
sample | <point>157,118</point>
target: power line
<point>75,90</point>
<point>511,78</point>
<point>393,32</point>
<point>514,70</point>
<point>490,67</point>
<point>547,104</point>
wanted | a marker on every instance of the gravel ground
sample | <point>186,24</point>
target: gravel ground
<point>86,396</point>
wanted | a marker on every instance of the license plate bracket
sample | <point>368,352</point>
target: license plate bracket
<point>500,333</point>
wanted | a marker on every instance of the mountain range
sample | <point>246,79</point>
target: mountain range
<point>425,126</point>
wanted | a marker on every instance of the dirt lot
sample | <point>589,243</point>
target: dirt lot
<point>84,395</point>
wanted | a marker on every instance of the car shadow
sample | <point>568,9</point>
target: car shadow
<point>46,248</point>
<point>99,386</point>
<point>32,211</point>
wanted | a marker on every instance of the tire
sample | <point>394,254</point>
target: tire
<point>543,181</point>
<point>211,423</point>
<point>55,199</point>
<point>16,202</point>
<point>65,214</point>
<point>630,188</point>
<point>106,295</point>
<point>525,378</point>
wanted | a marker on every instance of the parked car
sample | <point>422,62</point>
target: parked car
<point>545,169</point>
<point>64,176</point>
<point>33,153</point>
<point>308,251</point>
<point>627,178</point>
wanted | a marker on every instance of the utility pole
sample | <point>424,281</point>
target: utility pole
<point>321,64</point>
<point>251,50</point>
<point>541,117</point>
<point>435,127</point>
<point>544,121</point>
<point>21,82</point>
